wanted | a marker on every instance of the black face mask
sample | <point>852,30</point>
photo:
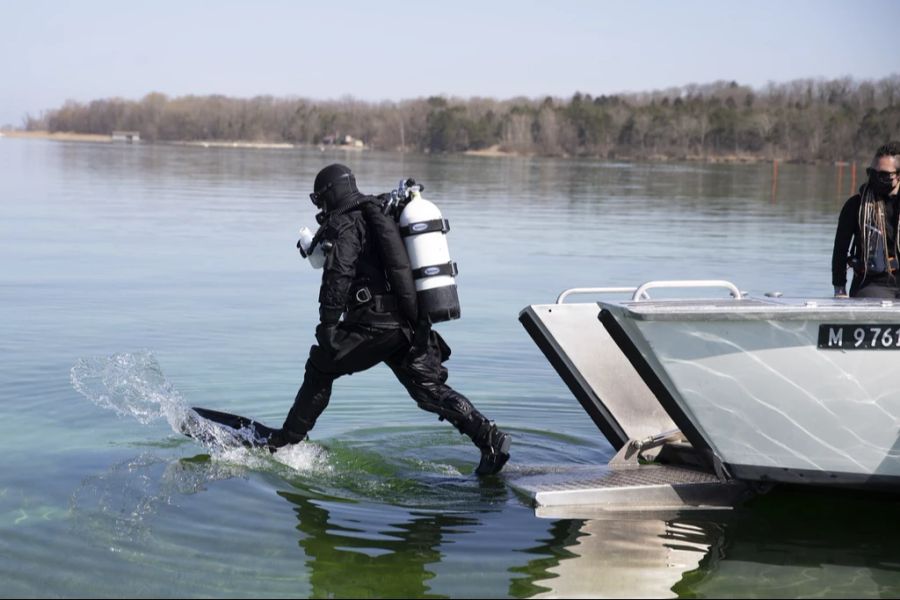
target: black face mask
<point>881,183</point>
<point>880,187</point>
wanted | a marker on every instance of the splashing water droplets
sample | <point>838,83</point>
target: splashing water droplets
<point>304,457</point>
<point>133,385</point>
<point>130,384</point>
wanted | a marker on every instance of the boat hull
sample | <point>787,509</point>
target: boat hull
<point>767,401</point>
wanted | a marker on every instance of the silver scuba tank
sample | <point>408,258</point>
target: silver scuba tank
<point>424,231</point>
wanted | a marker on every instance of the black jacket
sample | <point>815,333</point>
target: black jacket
<point>847,240</point>
<point>366,251</point>
<point>847,233</point>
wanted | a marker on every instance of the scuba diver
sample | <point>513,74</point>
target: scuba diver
<point>869,230</point>
<point>370,312</point>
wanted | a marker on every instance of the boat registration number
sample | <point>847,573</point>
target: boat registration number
<point>859,337</point>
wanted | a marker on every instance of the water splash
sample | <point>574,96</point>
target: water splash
<point>307,457</point>
<point>132,384</point>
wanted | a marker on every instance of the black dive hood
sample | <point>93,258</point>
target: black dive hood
<point>335,189</point>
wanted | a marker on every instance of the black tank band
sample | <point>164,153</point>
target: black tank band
<point>442,225</point>
<point>436,270</point>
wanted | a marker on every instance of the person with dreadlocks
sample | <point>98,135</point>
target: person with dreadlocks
<point>868,233</point>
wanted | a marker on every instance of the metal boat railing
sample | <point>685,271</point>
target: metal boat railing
<point>594,290</point>
<point>640,293</point>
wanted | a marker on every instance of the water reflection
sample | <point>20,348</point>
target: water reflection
<point>621,556</point>
<point>787,543</point>
<point>630,558</point>
<point>806,542</point>
<point>346,557</point>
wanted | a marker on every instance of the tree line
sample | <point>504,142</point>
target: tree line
<point>801,120</point>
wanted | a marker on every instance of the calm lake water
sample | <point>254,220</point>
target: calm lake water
<point>139,279</point>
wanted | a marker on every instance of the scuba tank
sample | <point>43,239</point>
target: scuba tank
<point>311,248</point>
<point>424,233</point>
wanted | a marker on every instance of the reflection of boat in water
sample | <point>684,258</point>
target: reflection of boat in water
<point>793,542</point>
<point>749,389</point>
<point>629,558</point>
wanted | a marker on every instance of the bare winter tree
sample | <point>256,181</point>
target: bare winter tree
<point>805,119</point>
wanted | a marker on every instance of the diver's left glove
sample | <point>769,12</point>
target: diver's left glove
<point>421,336</point>
<point>325,335</point>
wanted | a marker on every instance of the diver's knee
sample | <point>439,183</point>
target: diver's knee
<point>452,406</point>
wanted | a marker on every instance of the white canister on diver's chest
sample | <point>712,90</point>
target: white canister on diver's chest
<point>424,232</point>
<point>317,256</point>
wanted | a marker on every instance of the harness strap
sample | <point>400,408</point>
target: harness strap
<point>363,297</point>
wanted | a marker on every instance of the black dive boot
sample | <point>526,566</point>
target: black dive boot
<point>283,437</point>
<point>494,446</point>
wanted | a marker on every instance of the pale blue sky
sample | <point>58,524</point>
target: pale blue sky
<point>53,50</point>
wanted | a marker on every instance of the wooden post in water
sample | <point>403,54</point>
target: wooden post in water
<point>774,179</point>
<point>840,177</point>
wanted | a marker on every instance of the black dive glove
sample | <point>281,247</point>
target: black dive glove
<point>421,334</point>
<point>325,335</point>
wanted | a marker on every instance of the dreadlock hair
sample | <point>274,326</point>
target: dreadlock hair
<point>872,217</point>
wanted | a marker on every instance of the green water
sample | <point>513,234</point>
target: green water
<point>172,272</point>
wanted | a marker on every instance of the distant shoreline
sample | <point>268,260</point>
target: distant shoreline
<point>497,152</point>
<point>804,121</point>
<point>67,136</point>
<point>490,152</point>
<point>61,136</point>
<point>493,152</point>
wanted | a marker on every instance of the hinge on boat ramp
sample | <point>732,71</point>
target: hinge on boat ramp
<point>636,450</point>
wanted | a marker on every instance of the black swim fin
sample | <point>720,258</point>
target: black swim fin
<point>233,421</point>
<point>248,433</point>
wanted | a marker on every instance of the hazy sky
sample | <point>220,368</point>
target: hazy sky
<point>53,50</point>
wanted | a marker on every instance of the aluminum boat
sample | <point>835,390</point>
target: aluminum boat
<point>753,389</point>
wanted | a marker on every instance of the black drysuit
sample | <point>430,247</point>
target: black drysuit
<point>367,279</point>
